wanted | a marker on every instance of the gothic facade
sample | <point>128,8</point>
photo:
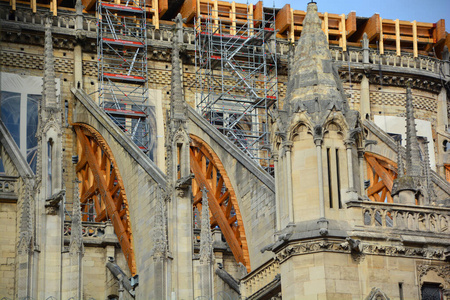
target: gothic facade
<point>326,176</point>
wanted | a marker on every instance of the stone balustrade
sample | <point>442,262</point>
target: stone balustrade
<point>389,58</point>
<point>259,278</point>
<point>89,230</point>
<point>402,217</point>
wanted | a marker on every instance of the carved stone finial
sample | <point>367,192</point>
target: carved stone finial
<point>429,186</point>
<point>365,41</point>
<point>400,167</point>
<point>178,108</point>
<point>49,84</point>
<point>205,236</point>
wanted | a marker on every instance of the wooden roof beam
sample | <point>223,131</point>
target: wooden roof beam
<point>88,4</point>
<point>372,27</point>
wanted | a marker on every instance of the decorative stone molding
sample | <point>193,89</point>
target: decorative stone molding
<point>377,294</point>
<point>443,271</point>
<point>343,246</point>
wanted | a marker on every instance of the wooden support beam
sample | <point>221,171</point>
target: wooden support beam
<point>371,27</point>
<point>217,212</point>
<point>325,25</point>
<point>350,24</point>
<point>381,172</point>
<point>397,37</point>
<point>415,48</point>
<point>343,34</point>
<point>93,175</point>
<point>258,13</point>
<point>88,4</point>
<point>233,18</point>
<point>155,17</point>
<point>283,19</point>
<point>292,27</point>
<point>381,39</point>
<point>163,6</point>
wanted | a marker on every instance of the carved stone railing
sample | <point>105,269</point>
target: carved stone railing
<point>389,58</point>
<point>401,217</point>
<point>8,188</point>
<point>89,230</point>
<point>259,278</point>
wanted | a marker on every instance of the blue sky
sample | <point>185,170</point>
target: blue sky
<point>429,11</point>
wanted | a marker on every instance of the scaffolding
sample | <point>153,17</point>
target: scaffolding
<point>236,77</point>
<point>122,67</point>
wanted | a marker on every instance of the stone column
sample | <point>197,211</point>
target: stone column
<point>361,170</point>
<point>275,157</point>
<point>365,46</point>
<point>288,149</point>
<point>348,146</point>
<point>318,139</point>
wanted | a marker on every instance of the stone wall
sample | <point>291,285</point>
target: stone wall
<point>8,243</point>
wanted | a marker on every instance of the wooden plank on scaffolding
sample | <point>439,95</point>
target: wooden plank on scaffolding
<point>371,27</point>
<point>283,19</point>
<point>189,10</point>
<point>343,35</point>
<point>440,31</point>
<point>415,48</point>
<point>350,24</point>
<point>381,37</point>
<point>292,30</point>
<point>163,6</point>
<point>397,38</point>
<point>233,18</point>
<point>258,13</point>
<point>325,25</point>
<point>155,17</point>
<point>88,4</point>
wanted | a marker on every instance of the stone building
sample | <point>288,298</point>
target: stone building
<point>214,150</point>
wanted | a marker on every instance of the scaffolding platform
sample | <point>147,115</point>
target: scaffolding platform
<point>122,67</point>
<point>236,78</point>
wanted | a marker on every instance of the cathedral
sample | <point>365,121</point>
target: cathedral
<point>205,149</point>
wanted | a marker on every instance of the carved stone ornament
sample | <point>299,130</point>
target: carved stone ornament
<point>377,294</point>
<point>365,249</point>
<point>442,271</point>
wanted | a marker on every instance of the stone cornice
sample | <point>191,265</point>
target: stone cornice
<point>366,248</point>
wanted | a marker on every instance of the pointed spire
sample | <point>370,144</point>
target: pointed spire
<point>205,235</point>
<point>159,231</point>
<point>76,235</point>
<point>413,167</point>
<point>313,78</point>
<point>429,186</point>
<point>49,84</point>
<point>178,107</point>
<point>400,167</point>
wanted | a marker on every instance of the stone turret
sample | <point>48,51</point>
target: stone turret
<point>315,136</point>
